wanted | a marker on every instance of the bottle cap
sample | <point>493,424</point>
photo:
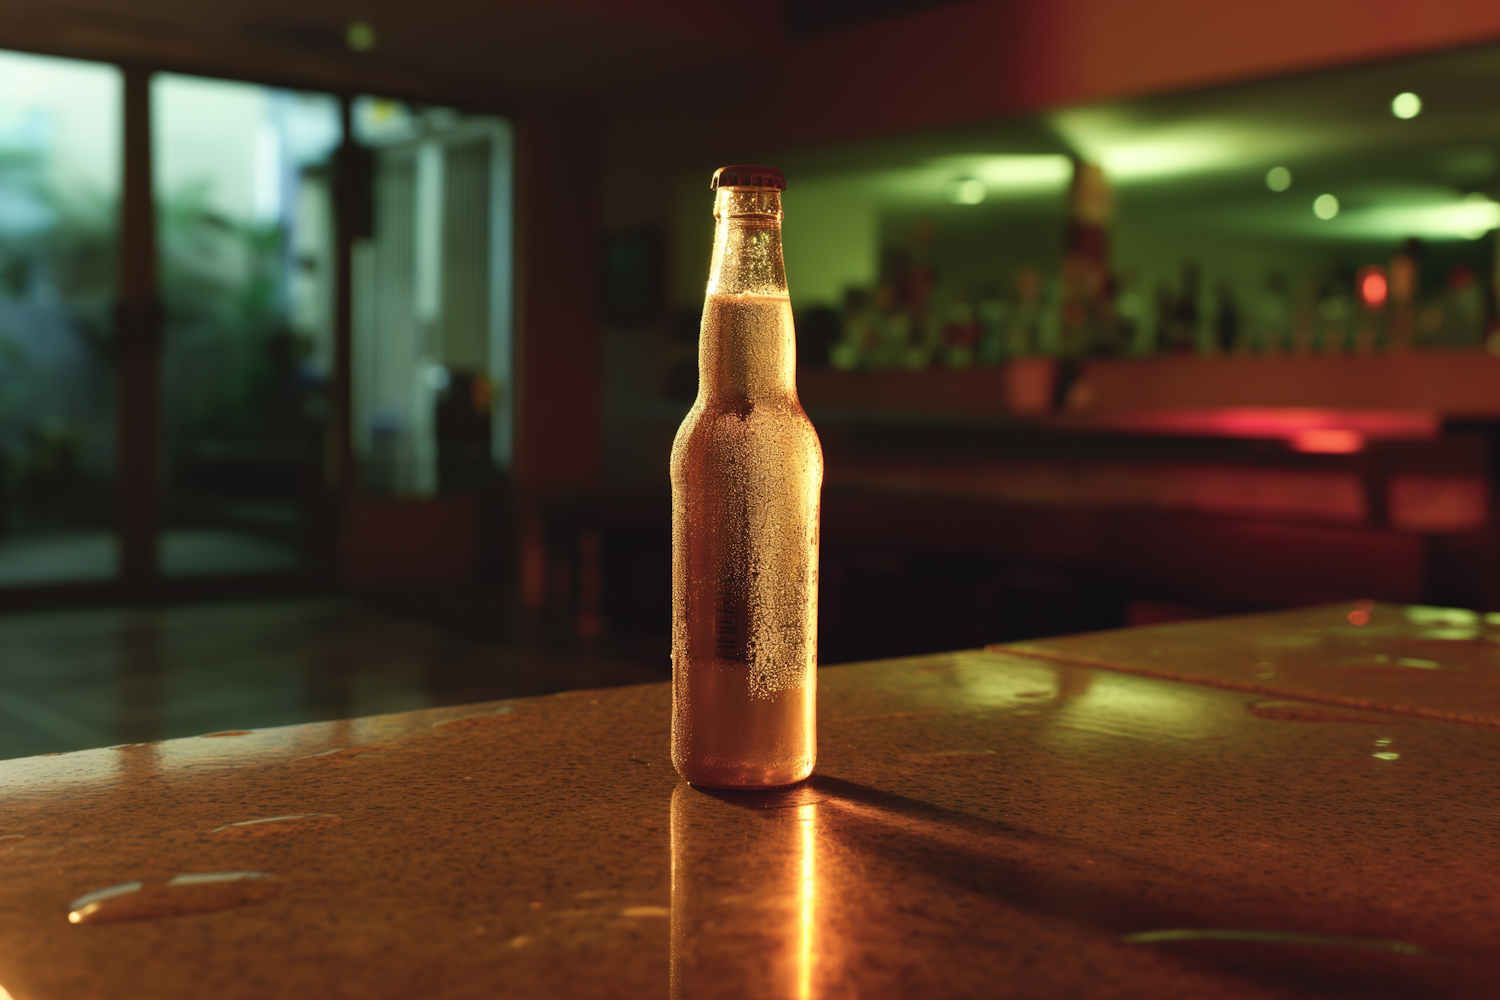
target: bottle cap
<point>747,175</point>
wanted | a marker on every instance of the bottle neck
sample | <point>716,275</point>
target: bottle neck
<point>747,243</point>
<point>747,349</point>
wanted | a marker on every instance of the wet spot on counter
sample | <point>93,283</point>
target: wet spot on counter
<point>1301,711</point>
<point>345,754</point>
<point>482,720</point>
<point>149,899</point>
<point>276,825</point>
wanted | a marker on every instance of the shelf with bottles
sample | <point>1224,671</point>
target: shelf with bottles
<point>1084,309</point>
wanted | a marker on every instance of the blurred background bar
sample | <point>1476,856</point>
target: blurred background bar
<point>381,324</point>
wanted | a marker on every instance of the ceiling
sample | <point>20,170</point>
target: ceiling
<point>1201,158</point>
<point>517,47</point>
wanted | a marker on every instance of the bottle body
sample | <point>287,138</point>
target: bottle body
<point>747,473</point>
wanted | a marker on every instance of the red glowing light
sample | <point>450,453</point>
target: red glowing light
<point>1285,422</point>
<point>1359,618</point>
<point>1373,286</point>
<point>1328,441</point>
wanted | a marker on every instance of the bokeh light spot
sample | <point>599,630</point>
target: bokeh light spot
<point>1406,105</point>
<point>966,191</point>
<point>360,36</point>
<point>1373,287</point>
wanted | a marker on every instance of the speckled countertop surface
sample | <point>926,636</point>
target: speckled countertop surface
<point>981,824</point>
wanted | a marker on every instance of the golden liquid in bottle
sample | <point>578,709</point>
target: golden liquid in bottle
<point>747,471</point>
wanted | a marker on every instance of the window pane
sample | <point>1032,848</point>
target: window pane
<point>242,175</point>
<point>59,190</point>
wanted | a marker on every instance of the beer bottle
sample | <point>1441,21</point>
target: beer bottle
<point>747,471</point>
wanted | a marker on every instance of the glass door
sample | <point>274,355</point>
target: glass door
<point>245,228</point>
<point>60,141</point>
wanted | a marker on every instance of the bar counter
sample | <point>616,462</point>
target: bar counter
<point>1207,809</point>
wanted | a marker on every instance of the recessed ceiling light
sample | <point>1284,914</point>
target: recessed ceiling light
<point>1406,105</point>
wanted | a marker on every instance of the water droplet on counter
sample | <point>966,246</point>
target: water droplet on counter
<point>481,721</point>
<point>1301,711</point>
<point>645,911</point>
<point>227,732</point>
<point>271,825</point>
<point>346,754</point>
<point>148,899</point>
<point>1271,937</point>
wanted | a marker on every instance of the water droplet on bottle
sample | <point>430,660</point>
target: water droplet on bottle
<point>148,899</point>
<point>272,825</point>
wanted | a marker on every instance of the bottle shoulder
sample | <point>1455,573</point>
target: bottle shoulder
<point>746,416</point>
<point>780,426</point>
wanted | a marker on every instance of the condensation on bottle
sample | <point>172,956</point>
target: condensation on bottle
<point>747,475</point>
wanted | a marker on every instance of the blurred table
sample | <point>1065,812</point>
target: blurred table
<point>1011,822</point>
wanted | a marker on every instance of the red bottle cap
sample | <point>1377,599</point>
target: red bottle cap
<point>747,175</point>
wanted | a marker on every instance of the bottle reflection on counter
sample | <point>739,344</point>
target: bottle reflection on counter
<point>733,851</point>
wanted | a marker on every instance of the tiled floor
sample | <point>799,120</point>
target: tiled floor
<point>71,680</point>
<point>67,556</point>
